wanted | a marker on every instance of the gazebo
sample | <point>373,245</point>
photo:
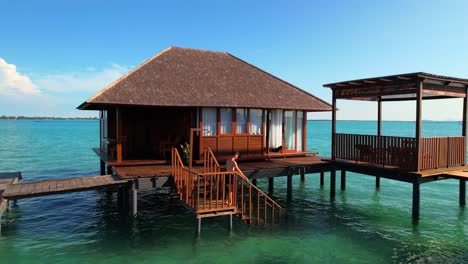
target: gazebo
<point>415,159</point>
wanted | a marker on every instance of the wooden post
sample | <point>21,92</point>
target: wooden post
<point>109,170</point>
<point>416,198</point>
<point>377,182</point>
<point>198,226</point>
<point>267,132</point>
<point>302,171</point>
<point>419,96</point>
<point>289,186</point>
<point>134,198</point>
<point>103,167</point>
<point>322,179</point>
<point>465,114</point>
<point>379,117</point>
<point>462,194</point>
<point>332,183</point>
<point>230,222</point>
<point>270,185</point>
<point>333,124</point>
<point>119,134</point>
<point>343,180</point>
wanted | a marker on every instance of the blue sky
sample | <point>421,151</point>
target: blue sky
<point>56,54</point>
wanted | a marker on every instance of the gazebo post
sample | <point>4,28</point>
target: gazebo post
<point>419,95</point>
<point>333,141</point>
<point>379,134</point>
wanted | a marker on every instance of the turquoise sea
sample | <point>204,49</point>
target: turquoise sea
<point>361,226</point>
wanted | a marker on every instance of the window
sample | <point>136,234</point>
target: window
<point>255,122</point>
<point>300,119</point>
<point>226,120</point>
<point>241,121</point>
<point>276,128</point>
<point>209,121</point>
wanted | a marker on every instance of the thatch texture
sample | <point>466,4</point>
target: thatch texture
<point>181,77</point>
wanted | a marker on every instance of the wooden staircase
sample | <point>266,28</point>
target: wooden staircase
<point>214,192</point>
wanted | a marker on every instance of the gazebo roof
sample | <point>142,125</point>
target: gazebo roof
<point>181,77</point>
<point>400,87</point>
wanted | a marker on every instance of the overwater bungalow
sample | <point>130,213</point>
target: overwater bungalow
<point>233,105</point>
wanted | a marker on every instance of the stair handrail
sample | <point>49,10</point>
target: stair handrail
<point>210,163</point>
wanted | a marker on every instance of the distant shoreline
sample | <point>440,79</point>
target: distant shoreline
<point>45,118</point>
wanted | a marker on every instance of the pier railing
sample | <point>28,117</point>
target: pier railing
<point>215,191</point>
<point>442,152</point>
<point>401,152</point>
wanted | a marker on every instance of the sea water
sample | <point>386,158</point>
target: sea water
<point>362,225</point>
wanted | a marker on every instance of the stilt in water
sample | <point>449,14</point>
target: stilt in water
<point>254,182</point>
<point>302,170</point>
<point>462,194</point>
<point>343,180</point>
<point>322,179</point>
<point>198,226</point>
<point>134,198</point>
<point>377,182</point>
<point>230,222</point>
<point>103,167</point>
<point>416,200</point>
<point>289,186</point>
<point>109,170</point>
<point>270,185</point>
<point>332,183</point>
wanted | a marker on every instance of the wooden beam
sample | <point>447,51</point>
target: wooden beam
<point>465,114</point>
<point>119,134</point>
<point>289,186</point>
<point>322,179</point>
<point>379,117</point>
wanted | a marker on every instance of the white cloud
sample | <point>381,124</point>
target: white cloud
<point>83,81</point>
<point>13,82</point>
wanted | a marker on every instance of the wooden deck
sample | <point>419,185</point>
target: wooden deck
<point>255,169</point>
<point>41,188</point>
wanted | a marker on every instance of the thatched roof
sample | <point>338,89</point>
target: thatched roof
<point>181,77</point>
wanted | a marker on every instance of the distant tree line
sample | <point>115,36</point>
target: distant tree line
<point>3,117</point>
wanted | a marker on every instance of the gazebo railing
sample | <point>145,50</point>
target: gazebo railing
<point>401,152</point>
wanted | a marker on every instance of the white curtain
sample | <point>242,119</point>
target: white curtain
<point>276,128</point>
<point>209,121</point>
<point>290,130</point>
<point>226,120</point>
<point>255,121</point>
<point>300,119</point>
<point>241,121</point>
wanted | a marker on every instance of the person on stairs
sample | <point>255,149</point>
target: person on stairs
<point>231,165</point>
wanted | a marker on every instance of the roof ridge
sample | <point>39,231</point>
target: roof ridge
<point>202,50</point>
<point>288,83</point>
<point>129,73</point>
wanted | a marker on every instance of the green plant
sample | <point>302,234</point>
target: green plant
<point>185,149</point>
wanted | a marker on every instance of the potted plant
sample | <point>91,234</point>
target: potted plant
<point>185,152</point>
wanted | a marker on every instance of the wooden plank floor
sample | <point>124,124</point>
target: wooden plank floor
<point>457,174</point>
<point>131,172</point>
<point>29,189</point>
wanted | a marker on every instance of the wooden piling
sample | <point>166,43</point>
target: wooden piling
<point>109,170</point>
<point>302,171</point>
<point>230,222</point>
<point>416,200</point>
<point>289,186</point>
<point>322,179</point>
<point>462,194</point>
<point>254,182</point>
<point>270,185</point>
<point>134,199</point>
<point>343,180</point>
<point>103,167</point>
<point>332,183</point>
<point>377,182</point>
<point>198,226</point>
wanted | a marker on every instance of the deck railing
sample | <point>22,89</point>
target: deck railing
<point>442,152</point>
<point>401,152</point>
<point>216,191</point>
<point>384,150</point>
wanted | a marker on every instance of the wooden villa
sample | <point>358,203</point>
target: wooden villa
<point>414,159</point>
<point>233,105</point>
<point>218,103</point>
